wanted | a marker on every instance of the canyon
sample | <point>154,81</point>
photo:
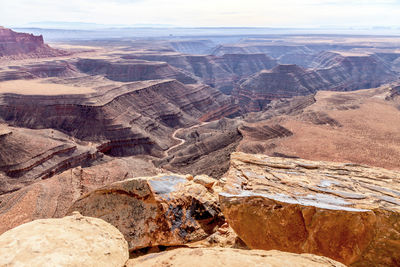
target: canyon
<point>252,148</point>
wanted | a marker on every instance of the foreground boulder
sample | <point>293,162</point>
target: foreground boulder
<point>347,212</point>
<point>70,241</point>
<point>166,210</point>
<point>211,257</point>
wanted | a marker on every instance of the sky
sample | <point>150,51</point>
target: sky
<point>206,13</point>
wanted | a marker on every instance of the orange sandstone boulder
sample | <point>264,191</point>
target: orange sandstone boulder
<point>347,212</point>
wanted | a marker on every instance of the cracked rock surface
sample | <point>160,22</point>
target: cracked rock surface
<point>347,212</point>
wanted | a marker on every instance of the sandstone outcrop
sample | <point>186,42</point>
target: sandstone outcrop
<point>210,257</point>
<point>23,45</point>
<point>347,212</point>
<point>166,210</point>
<point>70,241</point>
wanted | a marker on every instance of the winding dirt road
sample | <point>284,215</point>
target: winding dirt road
<point>181,140</point>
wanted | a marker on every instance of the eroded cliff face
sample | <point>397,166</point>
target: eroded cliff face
<point>192,46</point>
<point>23,45</point>
<point>332,71</point>
<point>132,70</point>
<point>116,120</point>
<point>221,72</point>
<point>136,111</point>
<point>282,81</point>
<point>358,126</point>
<point>346,212</point>
<point>204,148</point>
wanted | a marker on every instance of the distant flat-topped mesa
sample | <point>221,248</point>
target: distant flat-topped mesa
<point>347,212</point>
<point>23,45</point>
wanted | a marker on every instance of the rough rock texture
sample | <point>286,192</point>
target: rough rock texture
<point>70,241</point>
<point>51,198</point>
<point>22,45</point>
<point>166,210</point>
<point>34,70</point>
<point>192,46</point>
<point>332,72</point>
<point>132,70</point>
<point>273,50</point>
<point>210,257</point>
<point>127,119</point>
<point>115,119</point>
<point>347,212</point>
<point>204,148</point>
<point>217,71</point>
<point>29,155</point>
<point>359,126</point>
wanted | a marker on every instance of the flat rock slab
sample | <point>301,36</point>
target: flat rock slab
<point>347,212</point>
<point>211,257</point>
<point>70,241</point>
<point>166,210</point>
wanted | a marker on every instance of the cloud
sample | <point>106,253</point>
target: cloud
<point>268,13</point>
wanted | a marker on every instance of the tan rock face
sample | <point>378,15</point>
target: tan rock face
<point>211,257</point>
<point>347,212</point>
<point>166,210</point>
<point>70,241</point>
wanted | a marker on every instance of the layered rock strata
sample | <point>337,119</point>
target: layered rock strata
<point>29,155</point>
<point>347,212</point>
<point>131,118</point>
<point>333,71</point>
<point>132,70</point>
<point>204,148</point>
<point>359,126</point>
<point>221,72</point>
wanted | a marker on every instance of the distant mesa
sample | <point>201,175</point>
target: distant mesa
<point>333,71</point>
<point>17,45</point>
